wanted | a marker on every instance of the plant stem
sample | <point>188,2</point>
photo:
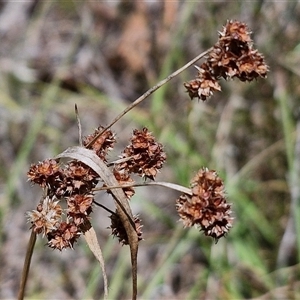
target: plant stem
<point>147,94</point>
<point>26,266</point>
<point>169,185</point>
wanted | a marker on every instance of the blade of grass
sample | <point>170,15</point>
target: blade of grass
<point>175,249</point>
<point>119,279</point>
<point>292,232</point>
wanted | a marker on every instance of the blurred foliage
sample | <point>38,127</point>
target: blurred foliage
<point>102,55</point>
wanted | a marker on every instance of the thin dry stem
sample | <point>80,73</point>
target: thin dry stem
<point>148,93</point>
<point>26,266</point>
<point>169,185</point>
<point>79,125</point>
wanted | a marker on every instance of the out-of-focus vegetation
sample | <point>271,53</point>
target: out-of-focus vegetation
<point>102,55</point>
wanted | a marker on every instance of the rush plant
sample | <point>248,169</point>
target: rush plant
<point>64,213</point>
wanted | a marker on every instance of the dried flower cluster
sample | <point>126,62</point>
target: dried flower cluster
<point>207,207</point>
<point>119,231</point>
<point>144,156</point>
<point>232,56</point>
<point>102,144</point>
<point>73,184</point>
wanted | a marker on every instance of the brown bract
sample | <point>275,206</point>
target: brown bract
<point>207,207</point>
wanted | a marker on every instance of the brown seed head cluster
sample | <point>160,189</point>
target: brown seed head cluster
<point>78,179</point>
<point>119,231</point>
<point>73,184</point>
<point>64,236</point>
<point>204,85</point>
<point>75,177</point>
<point>46,173</point>
<point>124,178</point>
<point>145,156</point>
<point>207,207</point>
<point>102,144</point>
<point>46,217</point>
<point>232,56</point>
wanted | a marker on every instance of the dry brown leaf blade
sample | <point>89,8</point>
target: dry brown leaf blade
<point>92,241</point>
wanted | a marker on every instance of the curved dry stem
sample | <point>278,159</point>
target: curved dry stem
<point>148,93</point>
<point>79,125</point>
<point>26,266</point>
<point>168,185</point>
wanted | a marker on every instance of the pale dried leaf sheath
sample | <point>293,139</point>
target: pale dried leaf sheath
<point>89,158</point>
<point>92,241</point>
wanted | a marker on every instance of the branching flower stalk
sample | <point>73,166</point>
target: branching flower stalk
<point>75,183</point>
<point>148,93</point>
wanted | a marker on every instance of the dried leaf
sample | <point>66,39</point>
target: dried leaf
<point>91,239</point>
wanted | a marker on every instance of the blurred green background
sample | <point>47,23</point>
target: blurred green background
<point>102,55</point>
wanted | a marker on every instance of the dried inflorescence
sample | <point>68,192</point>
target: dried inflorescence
<point>75,177</point>
<point>102,144</point>
<point>232,56</point>
<point>123,178</point>
<point>144,156</point>
<point>207,207</point>
<point>80,207</point>
<point>74,182</point>
<point>119,231</point>
<point>46,217</point>
<point>204,85</point>
<point>64,236</point>
<point>46,173</point>
<point>78,179</point>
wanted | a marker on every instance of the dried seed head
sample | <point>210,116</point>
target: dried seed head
<point>119,231</point>
<point>207,207</point>
<point>45,173</point>
<point>103,144</point>
<point>235,30</point>
<point>79,219</point>
<point>252,66</point>
<point>204,85</point>
<point>232,56</point>
<point>64,236</point>
<point>124,178</point>
<point>146,155</point>
<point>46,217</point>
<point>80,204</point>
<point>79,179</point>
